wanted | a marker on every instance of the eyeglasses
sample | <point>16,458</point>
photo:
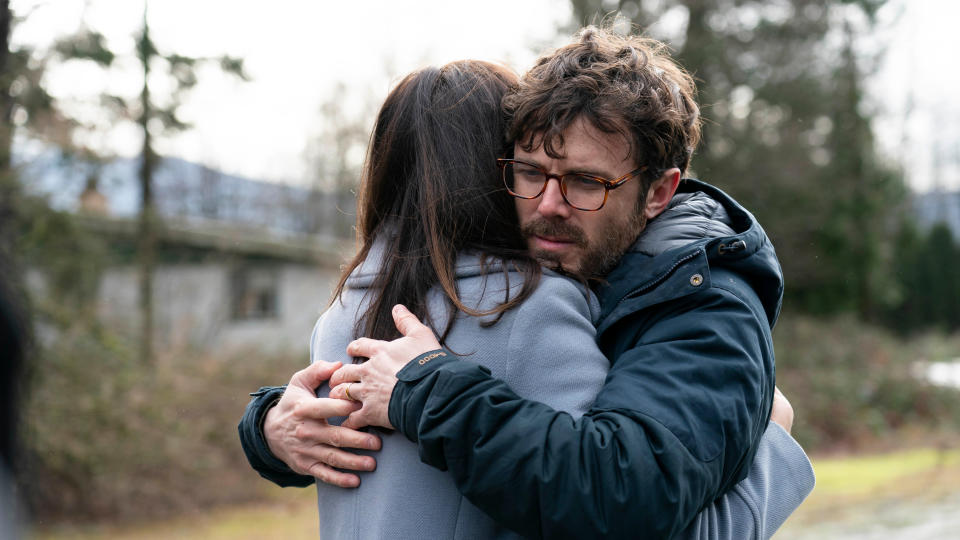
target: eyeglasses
<point>581,191</point>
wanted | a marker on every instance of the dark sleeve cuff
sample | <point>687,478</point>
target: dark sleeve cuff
<point>424,364</point>
<point>414,383</point>
<point>255,444</point>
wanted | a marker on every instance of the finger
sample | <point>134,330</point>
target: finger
<point>364,347</point>
<point>323,408</point>
<point>315,374</point>
<point>313,434</point>
<point>350,391</point>
<point>340,392</point>
<point>347,373</point>
<point>348,437</point>
<point>407,323</point>
<point>340,459</point>
<point>356,420</point>
<point>328,475</point>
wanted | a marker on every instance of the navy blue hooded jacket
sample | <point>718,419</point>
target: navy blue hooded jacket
<point>688,395</point>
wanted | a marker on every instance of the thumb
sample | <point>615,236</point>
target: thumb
<point>782,411</point>
<point>316,374</point>
<point>407,323</point>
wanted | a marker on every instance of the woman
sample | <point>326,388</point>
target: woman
<point>439,234</point>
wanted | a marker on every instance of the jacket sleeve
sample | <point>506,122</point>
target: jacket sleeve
<point>780,478</point>
<point>672,428</point>
<point>255,445</point>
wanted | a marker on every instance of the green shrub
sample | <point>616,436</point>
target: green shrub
<point>109,437</point>
<point>106,435</point>
<point>852,384</point>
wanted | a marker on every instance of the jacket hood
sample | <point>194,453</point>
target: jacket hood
<point>688,218</point>
<point>702,230</point>
<point>468,265</point>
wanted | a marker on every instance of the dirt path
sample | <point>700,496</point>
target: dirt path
<point>900,520</point>
<point>906,495</point>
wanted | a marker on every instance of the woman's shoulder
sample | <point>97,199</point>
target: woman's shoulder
<point>551,352</point>
<point>485,283</point>
<point>559,292</point>
<point>558,302</point>
<point>336,324</point>
<point>558,305</point>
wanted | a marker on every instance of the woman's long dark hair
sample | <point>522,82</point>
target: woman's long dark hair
<point>431,189</point>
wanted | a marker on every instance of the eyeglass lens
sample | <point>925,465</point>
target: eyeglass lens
<point>529,182</point>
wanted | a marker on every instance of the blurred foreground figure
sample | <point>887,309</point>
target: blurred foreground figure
<point>13,332</point>
<point>653,432</point>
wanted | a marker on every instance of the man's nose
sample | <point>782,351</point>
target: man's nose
<point>552,203</point>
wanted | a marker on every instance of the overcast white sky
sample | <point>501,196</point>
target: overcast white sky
<point>296,51</point>
<point>917,90</point>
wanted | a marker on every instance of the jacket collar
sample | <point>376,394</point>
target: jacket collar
<point>646,275</point>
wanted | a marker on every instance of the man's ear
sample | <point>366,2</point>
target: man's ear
<point>660,193</point>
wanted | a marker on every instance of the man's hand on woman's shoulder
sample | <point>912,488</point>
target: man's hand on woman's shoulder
<point>371,383</point>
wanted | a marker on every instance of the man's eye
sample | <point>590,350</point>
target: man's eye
<point>583,183</point>
<point>527,172</point>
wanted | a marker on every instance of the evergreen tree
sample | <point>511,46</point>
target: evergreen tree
<point>26,105</point>
<point>153,119</point>
<point>929,284</point>
<point>787,132</point>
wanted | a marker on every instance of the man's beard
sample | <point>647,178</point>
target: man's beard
<point>596,259</point>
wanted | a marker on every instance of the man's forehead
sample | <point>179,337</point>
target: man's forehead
<point>581,143</point>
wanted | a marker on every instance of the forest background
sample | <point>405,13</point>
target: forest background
<point>117,427</point>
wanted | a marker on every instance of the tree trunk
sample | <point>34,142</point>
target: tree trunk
<point>8,183</point>
<point>148,219</point>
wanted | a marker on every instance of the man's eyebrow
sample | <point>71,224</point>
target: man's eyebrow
<point>591,172</point>
<point>570,170</point>
<point>529,161</point>
<point>598,174</point>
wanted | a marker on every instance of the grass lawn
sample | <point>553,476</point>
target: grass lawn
<point>289,514</point>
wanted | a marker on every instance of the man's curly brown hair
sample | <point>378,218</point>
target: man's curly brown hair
<point>626,85</point>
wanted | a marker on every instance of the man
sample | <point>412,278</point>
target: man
<point>604,128</point>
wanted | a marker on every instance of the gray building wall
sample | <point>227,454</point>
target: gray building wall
<point>193,306</point>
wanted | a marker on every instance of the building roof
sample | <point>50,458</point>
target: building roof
<point>227,238</point>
